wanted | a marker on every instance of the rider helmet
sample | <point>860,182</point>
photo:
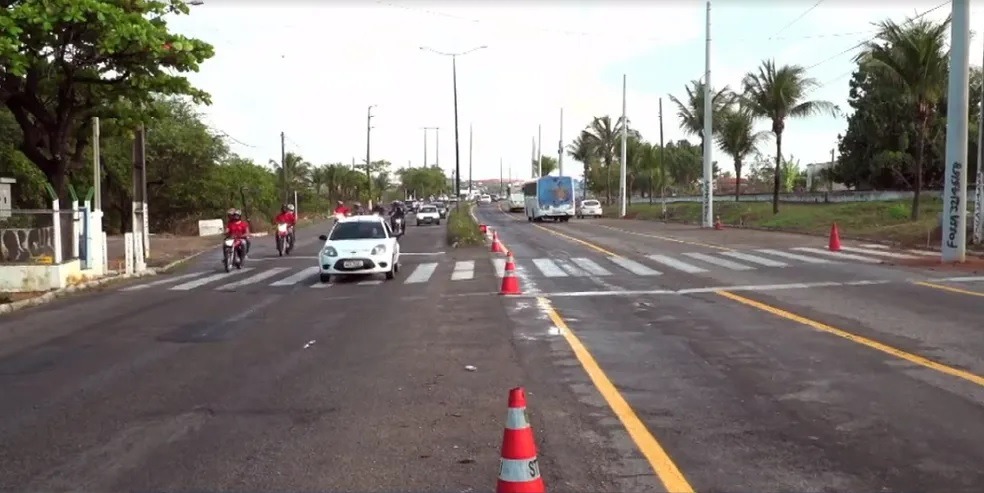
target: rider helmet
<point>290,207</point>
<point>234,214</point>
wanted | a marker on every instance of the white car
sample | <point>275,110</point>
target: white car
<point>359,245</point>
<point>589,207</point>
<point>485,199</point>
<point>428,214</point>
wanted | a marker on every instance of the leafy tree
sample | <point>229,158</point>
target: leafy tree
<point>423,182</point>
<point>582,151</point>
<point>778,93</point>
<point>737,137</point>
<point>691,110</point>
<point>547,165</point>
<point>63,62</point>
<point>913,55</point>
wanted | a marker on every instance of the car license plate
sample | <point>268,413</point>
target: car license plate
<point>352,264</point>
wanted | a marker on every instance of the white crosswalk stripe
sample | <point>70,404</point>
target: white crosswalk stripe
<point>676,264</point>
<point>719,261</point>
<point>551,267</point>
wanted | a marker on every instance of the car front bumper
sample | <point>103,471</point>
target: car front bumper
<point>428,219</point>
<point>368,264</point>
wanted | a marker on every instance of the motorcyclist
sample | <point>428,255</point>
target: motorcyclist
<point>358,210</point>
<point>397,212</point>
<point>288,217</point>
<point>237,228</point>
<point>341,209</point>
<point>378,209</point>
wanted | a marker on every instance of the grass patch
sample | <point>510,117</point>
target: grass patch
<point>879,221</point>
<point>462,227</point>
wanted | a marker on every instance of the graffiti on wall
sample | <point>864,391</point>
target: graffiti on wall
<point>26,244</point>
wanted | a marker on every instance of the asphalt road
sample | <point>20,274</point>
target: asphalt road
<point>647,368</point>
<point>748,375</point>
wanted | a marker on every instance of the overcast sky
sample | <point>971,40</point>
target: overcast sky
<point>311,69</point>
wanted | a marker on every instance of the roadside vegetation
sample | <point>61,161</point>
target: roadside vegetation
<point>895,140</point>
<point>462,227</point>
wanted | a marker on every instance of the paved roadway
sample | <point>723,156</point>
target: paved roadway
<point>656,358</point>
<point>753,361</point>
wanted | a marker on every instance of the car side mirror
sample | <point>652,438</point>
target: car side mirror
<point>323,237</point>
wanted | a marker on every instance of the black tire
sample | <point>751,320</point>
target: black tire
<point>324,278</point>
<point>225,262</point>
<point>438,222</point>
<point>418,224</point>
<point>391,274</point>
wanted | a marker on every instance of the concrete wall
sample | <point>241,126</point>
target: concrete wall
<point>26,244</point>
<point>38,277</point>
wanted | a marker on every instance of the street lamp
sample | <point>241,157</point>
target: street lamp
<point>454,79</point>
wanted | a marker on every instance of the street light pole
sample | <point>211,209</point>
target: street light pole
<point>368,142</point>
<point>454,83</point>
<point>425,145</point>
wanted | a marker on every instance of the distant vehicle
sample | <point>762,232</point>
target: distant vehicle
<point>428,214</point>
<point>442,208</point>
<point>549,197</point>
<point>514,197</point>
<point>359,245</point>
<point>484,199</point>
<point>495,197</point>
<point>589,207</point>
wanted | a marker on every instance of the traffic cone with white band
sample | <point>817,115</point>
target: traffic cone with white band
<point>519,471</point>
<point>496,247</point>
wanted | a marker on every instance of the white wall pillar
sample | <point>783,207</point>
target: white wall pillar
<point>56,241</point>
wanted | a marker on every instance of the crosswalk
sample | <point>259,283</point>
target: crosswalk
<point>547,267</point>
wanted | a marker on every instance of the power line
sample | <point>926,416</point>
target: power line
<point>866,41</point>
<point>797,19</point>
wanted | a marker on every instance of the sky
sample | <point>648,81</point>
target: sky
<point>312,69</point>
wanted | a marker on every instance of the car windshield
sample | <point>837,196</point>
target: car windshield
<point>590,203</point>
<point>428,209</point>
<point>358,230</point>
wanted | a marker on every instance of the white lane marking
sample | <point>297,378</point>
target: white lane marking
<point>959,279</point>
<point>464,269</point>
<point>421,253</point>
<point>253,279</point>
<point>925,253</point>
<point>676,264</point>
<point>634,267</point>
<point>296,278</point>
<point>499,264</point>
<point>793,256</point>
<point>548,267</point>
<point>590,266</point>
<point>719,261</point>
<point>205,280</point>
<point>875,245</point>
<point>422,273</point>
<point>878,253</point>
<point>570,269</point>
<point>842,255</point>
<point>755,259</point>
<point>163,281</point>
<point>370,282</point>
<point>321,285</point>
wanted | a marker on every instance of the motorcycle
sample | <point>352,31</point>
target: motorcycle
<point>398,225</point>
<point>233,254</point>
<point>284,243</point>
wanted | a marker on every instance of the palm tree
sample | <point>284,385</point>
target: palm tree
<point>581,150</point>
<point>603,137</point>
<point>691,111</point>
<point>914,56</point>
<point>778,94</point>
<point>737,137</point>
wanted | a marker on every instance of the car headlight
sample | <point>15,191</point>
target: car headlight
<point>330,252</point>
<point>378,249</point>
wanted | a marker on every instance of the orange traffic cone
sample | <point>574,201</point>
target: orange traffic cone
<point>510,283</point>
<point>510,263</point>
<point>835,240</point>
<point>519,471</point>
<point>496,247</point>
<point>483,228</point>
<point>717,223</point>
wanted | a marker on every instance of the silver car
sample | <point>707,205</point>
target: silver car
<point>589,208</point>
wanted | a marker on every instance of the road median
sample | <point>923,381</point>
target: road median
<point>463,227</point>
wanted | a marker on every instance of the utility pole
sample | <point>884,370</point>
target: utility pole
<point>283,162</point>
<point>471,135</point>
<point>533,158</point>
<point>457,152</point>
<point>426,164</point>
<point>953,246</point>
<point>138,217</point>
<point>708,207</point>
<point>539,151</point>
<point>978,237</point>
<point>662,162</point>
<point>625,148</point>
<point>560,146</point>
<point>501,186</point>
<point>368,147</point>
<point>437,147</point>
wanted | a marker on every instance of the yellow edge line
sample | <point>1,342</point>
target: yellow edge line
<point>950,289</point>
<point>864,341</point>
<point>664,467</point>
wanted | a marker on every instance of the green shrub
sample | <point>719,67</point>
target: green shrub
<point>462,227</point>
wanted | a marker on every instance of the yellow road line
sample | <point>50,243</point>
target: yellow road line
<point>949,288</point>
<point>864,341</point>
<point>664,467</point>
<point>585,243</point>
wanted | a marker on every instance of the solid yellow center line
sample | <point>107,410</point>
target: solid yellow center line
<point>864,341</point>
<point>669,474</point>
<point>949,288</point>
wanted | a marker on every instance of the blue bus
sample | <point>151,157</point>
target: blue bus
<point>549,197</point>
